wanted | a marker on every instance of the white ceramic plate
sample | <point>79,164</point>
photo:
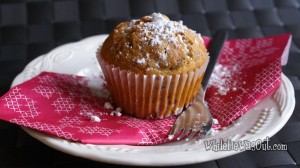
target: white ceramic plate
<point>267,118</point>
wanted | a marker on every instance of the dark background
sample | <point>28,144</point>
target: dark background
<point>29,28</point>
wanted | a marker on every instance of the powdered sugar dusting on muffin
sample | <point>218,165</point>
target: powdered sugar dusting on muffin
<point>155,44</point>
<point>162,28</point>
<point>162,56</point>
<point>141,61</point>
<point>156,41</point>
<point>159,29</point>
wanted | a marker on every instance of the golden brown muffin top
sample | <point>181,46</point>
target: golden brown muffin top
<point>154,45</point>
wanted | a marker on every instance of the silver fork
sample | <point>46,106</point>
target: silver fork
<point>196,119</point>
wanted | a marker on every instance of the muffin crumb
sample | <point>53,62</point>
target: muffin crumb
<point>94,118</point>
<point>116,113</point>
<point>108,105</point>
<point>170,137</point>
<point>118,109</point>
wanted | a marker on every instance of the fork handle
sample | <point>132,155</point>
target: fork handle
<point>214,48</point>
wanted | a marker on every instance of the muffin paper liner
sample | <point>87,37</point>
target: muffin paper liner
<point>152,96</point>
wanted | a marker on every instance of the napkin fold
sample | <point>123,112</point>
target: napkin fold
<point>69,107</point>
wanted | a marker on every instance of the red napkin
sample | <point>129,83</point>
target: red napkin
<point>247,71</point>
<point>68,107</point>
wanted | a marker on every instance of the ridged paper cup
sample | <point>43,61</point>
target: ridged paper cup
<point>152,96</point>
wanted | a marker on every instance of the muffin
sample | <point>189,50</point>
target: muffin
<point>153,66</point>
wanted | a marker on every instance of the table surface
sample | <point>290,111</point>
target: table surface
<point>29,28</point>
